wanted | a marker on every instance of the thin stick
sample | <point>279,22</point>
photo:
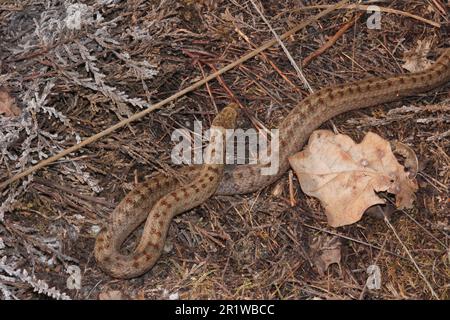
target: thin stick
<point>354,240</point>
<point>286,51</point>
<point>244,36</point>
<point>411,258</point>
<point>291,189</point>
<point>365,7</point>
<point>158,105</point>
<point>418,224</point>
<point>331,41</point>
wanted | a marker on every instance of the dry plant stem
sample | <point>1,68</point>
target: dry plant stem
<point>74,192</point>
<point>322,106</point>
<point>441,7</point>
<point>365,7</point>
<point>266,58</point>
<point>286,51</point>
<point>158,105</point>
<point>364,289</point>
<point>331,41</point>
<point>411,258</point>
<point>381,249</point>
<point>419,225</point>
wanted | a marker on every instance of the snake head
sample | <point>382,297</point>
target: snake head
<point>227,117</point>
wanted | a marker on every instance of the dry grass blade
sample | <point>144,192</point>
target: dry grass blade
<point>286,51</point>
<point>353,239</point>
<point>412,259</point>
<point>382,9</point>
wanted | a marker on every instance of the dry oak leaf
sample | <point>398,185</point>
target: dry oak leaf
<point>8,105</point>
<point>345,175</point>
<point>416,59</point>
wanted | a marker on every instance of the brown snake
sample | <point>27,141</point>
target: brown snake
<point>158,200</point>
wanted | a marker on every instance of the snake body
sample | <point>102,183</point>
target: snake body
<point>325,104</point>
<point>158,200</point>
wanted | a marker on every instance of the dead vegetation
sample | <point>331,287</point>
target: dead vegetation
<point>71,81</point>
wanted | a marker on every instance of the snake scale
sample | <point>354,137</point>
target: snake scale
<point>159,199</point>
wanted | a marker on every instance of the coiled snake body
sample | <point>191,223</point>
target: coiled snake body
<point>158,200</point>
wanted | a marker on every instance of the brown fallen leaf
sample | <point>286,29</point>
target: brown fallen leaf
<point>416,59</point>
<point>325,250</point>
<point>344,175</point>
<point>8,105</point>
